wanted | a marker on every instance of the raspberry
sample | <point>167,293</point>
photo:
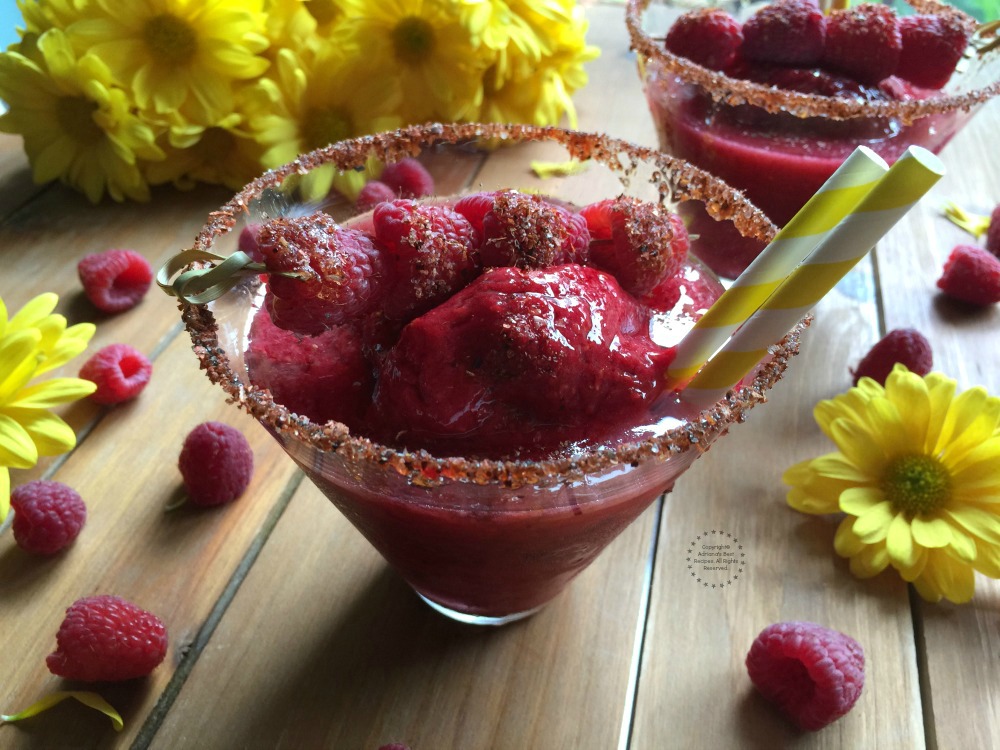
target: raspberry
<point>808,81</point>
<point>528,231</point>
<point>431,254</point>
<point>120,372</point>
<point>474,207</point>
<point>373,193</point>
<point>248,241</point>
<point>788,32</point>
<point>813,674</point>
<point>107,639</point>
<point>932,45</point>
<point>408,178</point>
<point>338,272</point>
<point>115,280</point>
<point>903,345</point>
<point>216,463</point>
<point>993,233</point>
<point>972,275</point>
<point>635,241</point>
<point>709,37</point>
<point>520,359</point>
<point>48,516</point>
<point>322,377</point>
<point>863,41</point>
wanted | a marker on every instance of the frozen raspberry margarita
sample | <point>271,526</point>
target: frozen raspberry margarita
<point>775,103</point>
<point>477,381</point>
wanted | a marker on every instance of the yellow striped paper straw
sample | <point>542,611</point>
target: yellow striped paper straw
<point>837,197</point>
<point>902,186</point>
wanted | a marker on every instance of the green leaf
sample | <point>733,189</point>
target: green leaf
<point>92,700</point>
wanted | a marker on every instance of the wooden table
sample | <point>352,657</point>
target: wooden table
<point>287,630</point>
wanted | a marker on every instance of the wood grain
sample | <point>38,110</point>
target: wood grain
<point>961,642</point>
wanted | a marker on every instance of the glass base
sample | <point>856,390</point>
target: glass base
<point>469,619</point>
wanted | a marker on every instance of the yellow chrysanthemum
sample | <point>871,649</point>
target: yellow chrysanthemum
<point>918,475</point>
<point>224,154</point>
<point>539,65</point>
<point>177,57</point>
<point>300,24</point>
<point>430,49</point>
<point>312,100</point>
<point>77,127</point>
<point>33,342</point>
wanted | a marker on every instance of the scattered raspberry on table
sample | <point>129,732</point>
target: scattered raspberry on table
<point>48,516</point>
<point>107,639</point>
<point>906,346</point>
<point>120,372</point>
<point>971,274</point>
<point>115,280</point>
<point>814,675</point>
<point>216,464</point>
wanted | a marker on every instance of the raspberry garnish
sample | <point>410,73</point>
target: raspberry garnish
<point>903,345</point>
<point>216,463</point>
<point>813,674</point>
<point>971,274</point>
<point>863,41</point>
<point>247,241</point>
<point>115,280</point>
<point>709,37</point>
<point>408,178</point>
<point>119,371</point>
<point>528,231</point>
<point>474,207</point>
<point>106,638</point>
<point>520,358</point>
<point>787,32</point>
<point>430,255</point>
<point>48,516</point>
<point>335,271</point>
<point>932,45</point>
<point>322,377</point>
<point>373,193</point>
<point>637,242</point>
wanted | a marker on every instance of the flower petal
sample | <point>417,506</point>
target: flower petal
<point>912,401</point>
<point>859,446</point>
<point>4,493</point>
<point>871,561</point>
<point>859,500</point>
<point>845,541</point>
<point>987,560</point>
<point>810,491</point>
<point>873,525</point>
<point>17,450</point>
<point>837,466</point>
<point>899,542</point>
<point>946,577</point>
<point>981,523</point>
<point>930,532</point>
<point>53,392</point>
<point>50,434</point>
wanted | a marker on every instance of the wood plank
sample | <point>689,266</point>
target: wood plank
<point>343,654</point>
<point>176,564</point>
<point>694,690</point>
<point>961,641</point>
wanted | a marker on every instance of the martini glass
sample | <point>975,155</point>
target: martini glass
<point>484,541</point>
<point>779,146</point>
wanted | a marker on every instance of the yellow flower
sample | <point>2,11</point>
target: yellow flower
<point>33,342</point>
<point>177,57</point>
<point>430,49</point>
<point>539,64</point>
<point>77,127</point>
<point>295,24</point>
<point>311,100</point>
<point>917,474</point>
<point>224,154</point>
